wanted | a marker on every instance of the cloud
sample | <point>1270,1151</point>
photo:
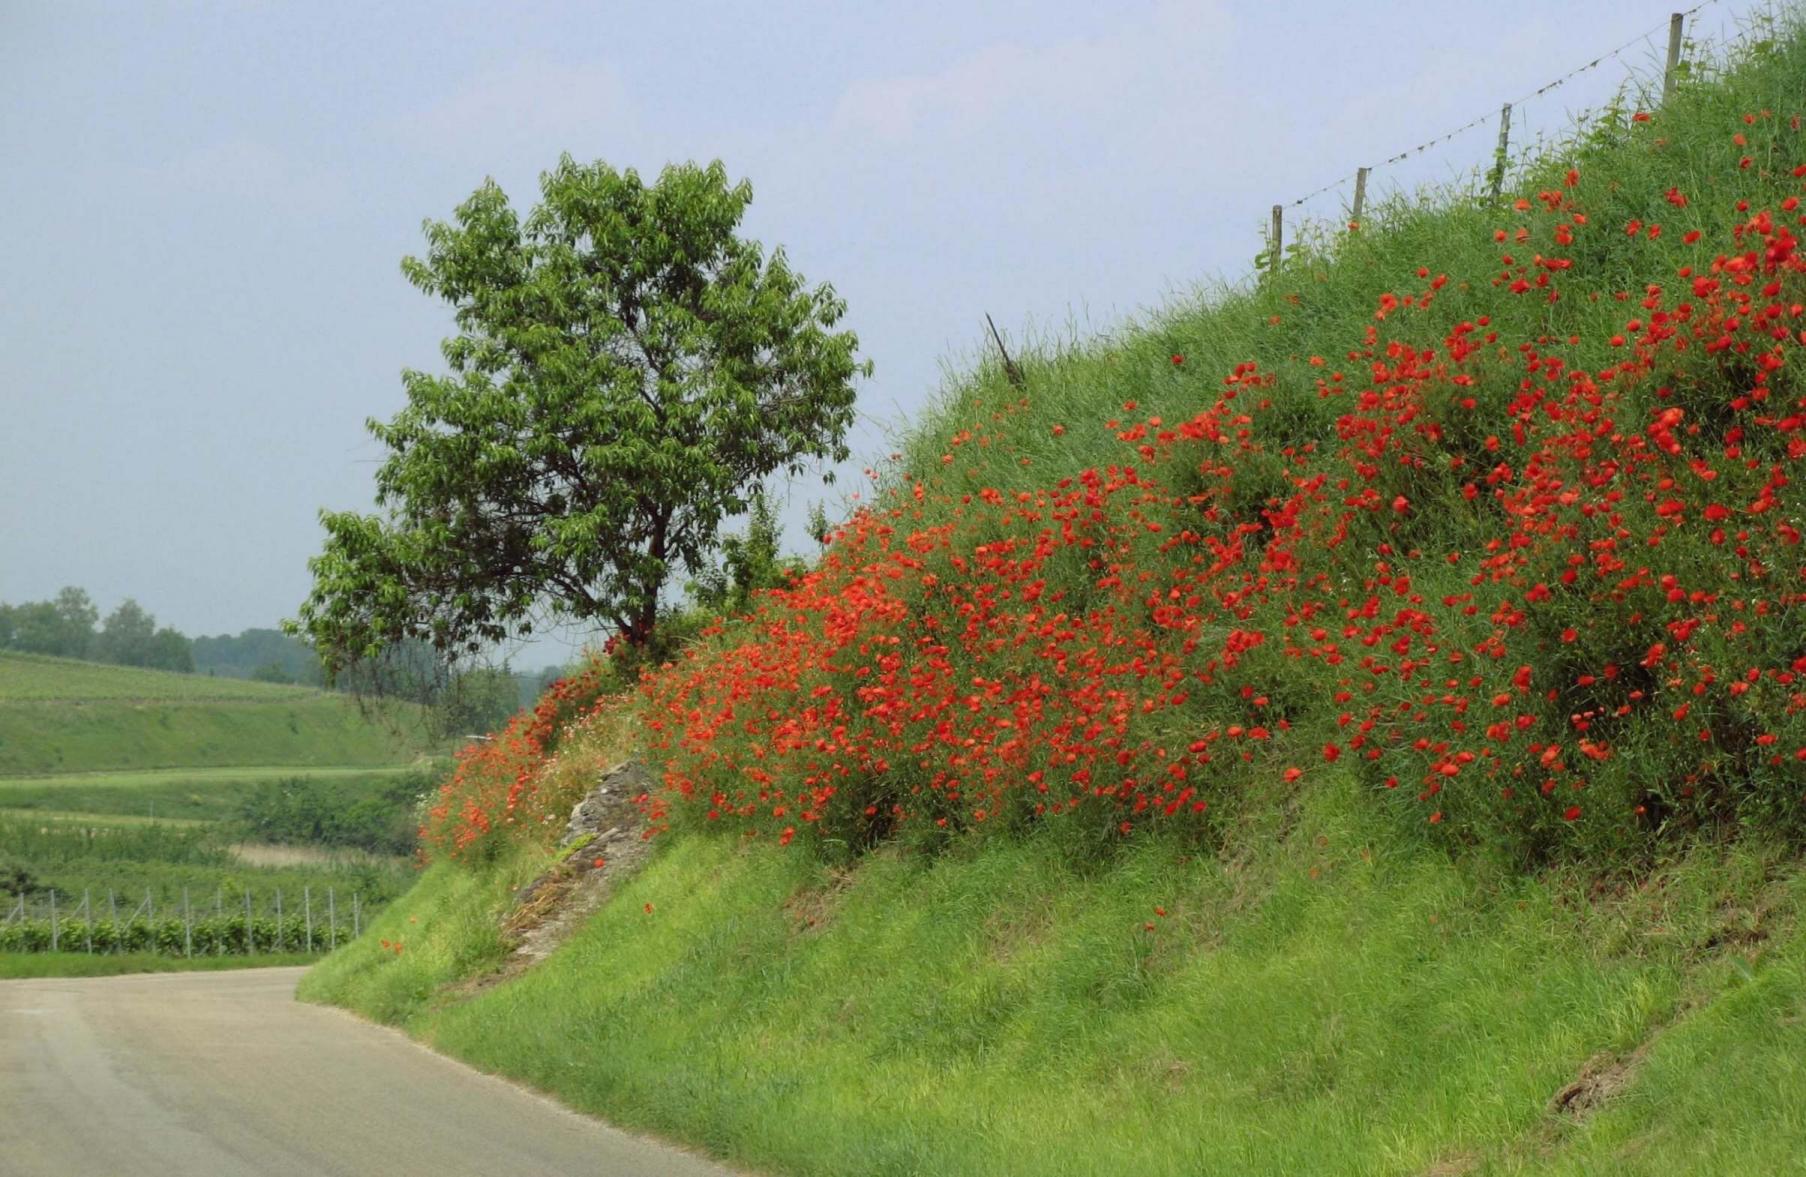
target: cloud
<point>526,109</point>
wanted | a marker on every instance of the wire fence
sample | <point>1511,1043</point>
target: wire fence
<point>1674,69</point>
<point>245,926</point>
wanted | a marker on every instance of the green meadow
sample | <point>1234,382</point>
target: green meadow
<point>146,795</point>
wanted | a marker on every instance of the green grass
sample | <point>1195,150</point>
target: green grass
<point>183,793</point>
<point>127,783</point>
<point>115,735</point>
<point>58,716</point>
<point>16,965</point>
<point>132,859</point>
<point>63,817</point>
<point>1332,1003</point>
<point>1331,990</point>
<point>40,678</point>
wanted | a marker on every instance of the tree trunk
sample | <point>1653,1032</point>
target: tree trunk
<point>643,624</point>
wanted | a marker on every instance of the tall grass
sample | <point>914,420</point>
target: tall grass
<point>1331,1001</point>
<point>1499,501</point>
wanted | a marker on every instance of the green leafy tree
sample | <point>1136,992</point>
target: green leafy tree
<point>251,653</point>
<point>126,636</point>
<point>749,562</point>
<point>64,626</point>
<point>171,650</point>
<point>627,369</point>
<point>130,637</point>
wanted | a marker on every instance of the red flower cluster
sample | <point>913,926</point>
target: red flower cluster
<point>1530,598</point>
<point>1610,608</point>
<point>497,785</point>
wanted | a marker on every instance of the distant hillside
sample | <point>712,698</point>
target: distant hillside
<point>38,678</point>
<point>59,715</point>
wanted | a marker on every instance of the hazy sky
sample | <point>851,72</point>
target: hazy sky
<point>203,207</point>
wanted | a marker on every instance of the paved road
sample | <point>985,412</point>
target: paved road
<point>225,1074</point>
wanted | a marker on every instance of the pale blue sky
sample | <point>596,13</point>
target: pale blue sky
<point>205,204</point>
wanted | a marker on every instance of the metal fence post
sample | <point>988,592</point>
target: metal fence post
<point>88,921</point>
<point>187,925</point>
<point>307,907</point>
<point>53,935</point>
<point>332,920</point>
<point>250,941</point>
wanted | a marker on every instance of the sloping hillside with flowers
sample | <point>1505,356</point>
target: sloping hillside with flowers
<point>1297,643</point>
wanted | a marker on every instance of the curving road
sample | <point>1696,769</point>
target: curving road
<point>225,1074</point>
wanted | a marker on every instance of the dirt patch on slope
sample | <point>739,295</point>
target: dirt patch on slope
<point>604,844</point>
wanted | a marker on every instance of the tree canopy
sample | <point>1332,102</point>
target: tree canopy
<point>626,371</point>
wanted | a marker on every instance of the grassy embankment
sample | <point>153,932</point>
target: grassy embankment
<point>59,717</point>
<point>1332,1001</point>
<point>1590,871</point>
<point>126,787</point>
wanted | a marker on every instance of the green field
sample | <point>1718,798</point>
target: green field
<point>59,717</point>
<point>129,791</point>
<point>205,794</point>
<point>40,678</point>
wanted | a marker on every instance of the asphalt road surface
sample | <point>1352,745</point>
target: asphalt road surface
<point>218,1074</point>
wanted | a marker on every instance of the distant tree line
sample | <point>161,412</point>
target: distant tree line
<point>66,626</point>
<point>461,702</point>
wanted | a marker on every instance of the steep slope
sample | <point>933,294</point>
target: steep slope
<point>1352,724</point>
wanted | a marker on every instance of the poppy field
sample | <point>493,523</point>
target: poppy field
<point>1514,528</point>
<point>1351,722</point>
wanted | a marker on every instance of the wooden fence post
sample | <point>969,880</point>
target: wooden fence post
<point>1276,240</point>
<point>1500,153</point>
<point>1674,54</point>
<point>1360,197</point>
<point>1010,370</point>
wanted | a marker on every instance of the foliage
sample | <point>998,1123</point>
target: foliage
<point>63,627</point>
<point>130,637</point>
<point>749,564</point>
<point>376,815</point>
<point>627,369</point>
<point>207,935</point>
<point>268,655</point>
<point>1500,504</point>
<point>96,858</point>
